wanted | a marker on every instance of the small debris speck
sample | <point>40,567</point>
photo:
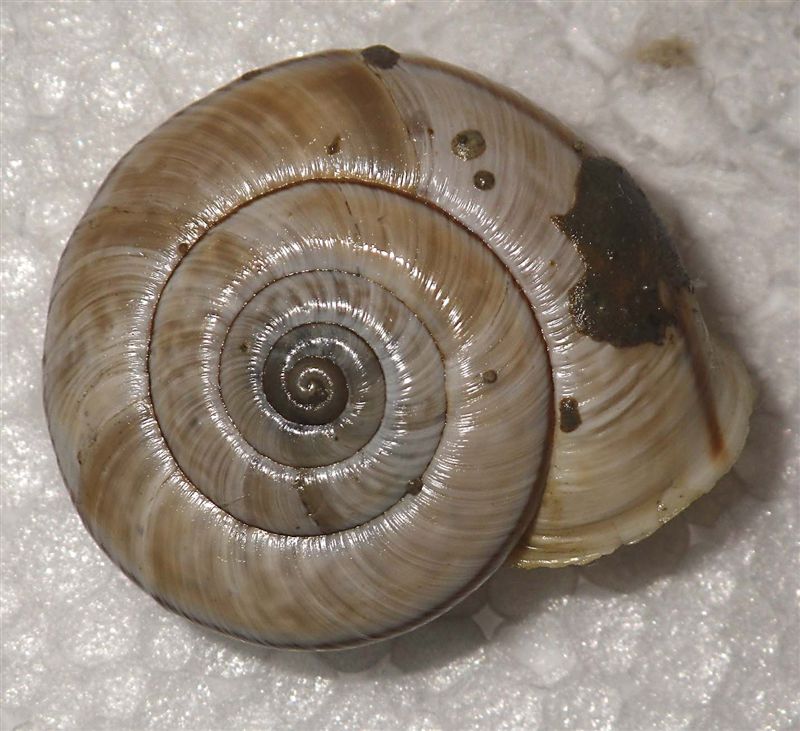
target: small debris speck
<point>334,147</point>
<point>468,144</point>
<point>569,413</point>
<point>247,75</point>
<point>484,180</point>
<point>382,57</point>
<point>489,376</point>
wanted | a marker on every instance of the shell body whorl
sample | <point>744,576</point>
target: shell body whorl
<point>316,352</point>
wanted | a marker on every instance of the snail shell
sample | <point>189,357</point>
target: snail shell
<point>326,340</point>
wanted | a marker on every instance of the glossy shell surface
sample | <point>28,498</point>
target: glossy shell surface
<point>332,344</point>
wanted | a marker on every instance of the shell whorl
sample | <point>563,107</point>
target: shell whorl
<point>237,247</point>
<point>307,346</point>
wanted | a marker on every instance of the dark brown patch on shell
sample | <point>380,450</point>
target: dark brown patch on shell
<point>489,376</point>
<point>468,144</point>
<point>382,57</point>
<point>569,414</point>
<point>628,255</point>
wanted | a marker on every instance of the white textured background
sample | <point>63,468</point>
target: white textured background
<point>695,628</point>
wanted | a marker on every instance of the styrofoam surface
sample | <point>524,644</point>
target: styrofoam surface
<point>695,628</point>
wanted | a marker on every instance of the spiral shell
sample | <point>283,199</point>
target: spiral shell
<point>326,339</point>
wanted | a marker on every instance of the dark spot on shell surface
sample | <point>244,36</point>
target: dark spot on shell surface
<point>183,249</point>
<point>334,147</point>
<point>632,271</point>
<point>381,57</point>
<point>489,376</point>
<point>483,180</point>
<point>419,125</point>
<point>414,486</point>
<point>569,414</point>
<point>468,144</point>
